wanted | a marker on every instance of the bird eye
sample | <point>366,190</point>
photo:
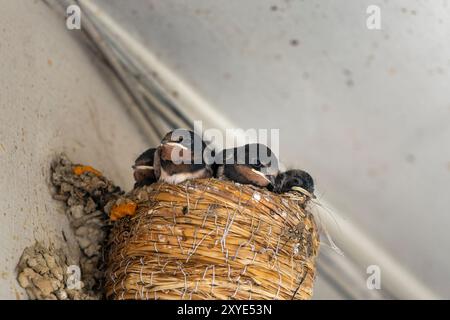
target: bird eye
<point>177,139</point>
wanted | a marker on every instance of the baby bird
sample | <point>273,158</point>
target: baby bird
<point>292,179</point>
<point>144,173</point>
<point>253,164</point>
<point>180,157</point>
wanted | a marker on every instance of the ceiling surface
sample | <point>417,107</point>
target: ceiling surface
<point>366,112</point>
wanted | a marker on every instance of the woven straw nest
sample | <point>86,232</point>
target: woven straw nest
<point>211,239</point>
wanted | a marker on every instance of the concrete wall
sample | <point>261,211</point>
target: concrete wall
<point>53,99</point>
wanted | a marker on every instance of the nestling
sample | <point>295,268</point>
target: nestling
<point>180,157</point>
<point>252,164</point>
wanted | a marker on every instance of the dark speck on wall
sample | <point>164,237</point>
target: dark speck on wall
<point>348,75</point>
<point>274,8</point>
<point>410,158</point>
<point>294,42</point>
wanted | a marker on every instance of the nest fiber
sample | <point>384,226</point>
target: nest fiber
<point>211,239</point>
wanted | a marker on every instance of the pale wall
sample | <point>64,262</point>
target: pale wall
<point>53,99</point>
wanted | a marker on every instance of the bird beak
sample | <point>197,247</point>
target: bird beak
<point>305,192</point>
<point>175,145</point>
<point>142,167</point>
<point>262,175</point>
<point>175,152</point>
